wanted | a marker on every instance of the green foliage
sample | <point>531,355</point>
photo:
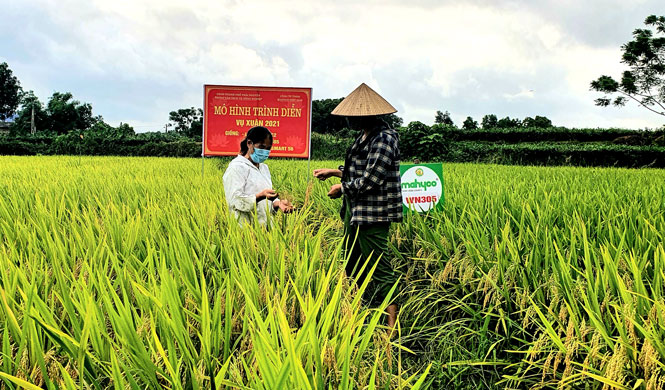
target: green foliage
<point>553,134</point>
<point>329,147</point>
<point>102,140</point>
<point>410,137</point>
<point>61,115</point>
<point>393,121</point>
<point>644,82</point>
<point>443,118</point>
<point>575,154</point>
<point>507,123</point>
<point>539,121</point>
<point>524,146</point>
<point>124,130</point>
<point>66,114</point>
<point>10,92</point>
<point>469,124</point>
<point>21,124</point>
<point>417,140</point>
<point>101,129</point>
<point>527,146</point>
<point>489,121</point>
<point>188,122</point>
<point>322,121</point>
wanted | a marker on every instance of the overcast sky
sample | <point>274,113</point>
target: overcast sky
<point>135,61</point>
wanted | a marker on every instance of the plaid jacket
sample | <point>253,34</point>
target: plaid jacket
<point>371,179</point>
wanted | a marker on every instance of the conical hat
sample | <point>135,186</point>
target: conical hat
<point>363,101</point>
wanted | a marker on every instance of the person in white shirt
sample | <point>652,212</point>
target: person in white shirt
<point>247,181</point>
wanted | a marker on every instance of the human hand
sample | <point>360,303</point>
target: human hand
<point>284,205</point>
<point>268,193</point>
<point>335,191</point>
<point>324,173</point>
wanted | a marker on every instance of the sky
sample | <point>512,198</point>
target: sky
<point>135,61</point>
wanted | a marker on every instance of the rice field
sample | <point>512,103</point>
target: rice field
<point>128,273</point>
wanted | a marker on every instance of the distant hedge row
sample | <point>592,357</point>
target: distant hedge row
<point>598,155</point>
<point>324,146</point>
<point>556,146</point>
<point>545,153</point>
<point>99,145</point>
<point>585,147</point>
<point>552,134</point>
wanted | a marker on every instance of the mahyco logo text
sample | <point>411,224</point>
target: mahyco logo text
<point>421,188</point>
<point>419,184</point>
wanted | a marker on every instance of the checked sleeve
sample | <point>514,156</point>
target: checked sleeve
<point>379,163</point>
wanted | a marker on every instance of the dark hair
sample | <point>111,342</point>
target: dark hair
<point>255,134</point>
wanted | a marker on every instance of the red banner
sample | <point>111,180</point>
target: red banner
<point>230,111</point>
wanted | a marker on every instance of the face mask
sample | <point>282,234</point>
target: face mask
<point>259,155</point>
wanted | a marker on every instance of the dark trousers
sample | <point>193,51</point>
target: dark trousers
<point>363,242</point>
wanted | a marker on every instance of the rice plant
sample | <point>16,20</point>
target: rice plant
<point>130,273</point>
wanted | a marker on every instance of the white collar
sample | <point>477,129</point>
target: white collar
<point>243,160</point>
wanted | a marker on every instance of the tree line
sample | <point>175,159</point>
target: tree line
<point>491,121</point>
<point>62,113</point>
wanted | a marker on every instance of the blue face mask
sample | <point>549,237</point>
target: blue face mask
<point>260,155</point>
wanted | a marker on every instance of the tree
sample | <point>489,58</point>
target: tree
<point>62,114</point>
<point>188,121</point>
<point>10,92</point>
<point>424,142</point>
<point>508,122</point>
<point>393,121</point>
<point>322,121</point>
<point>66,114</point>
<point>645,81</point>
<point>443,118</point>
<point>103,129</point>
<point>22,122</point>
<point>541,122</point>
<point>469,124</point>
<point>489,122</point>
<point>125,130</point>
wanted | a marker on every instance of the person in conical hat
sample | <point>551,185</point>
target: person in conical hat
<point>371,190</point>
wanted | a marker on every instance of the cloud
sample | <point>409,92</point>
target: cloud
<point>523,94</point>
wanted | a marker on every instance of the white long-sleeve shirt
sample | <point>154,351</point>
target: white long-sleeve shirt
<point>242,181</point>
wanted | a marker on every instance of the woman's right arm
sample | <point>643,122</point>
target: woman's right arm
<point>234,184</point>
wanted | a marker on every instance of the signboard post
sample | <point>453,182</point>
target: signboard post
<point>422,187</point>
<point>230,111</point>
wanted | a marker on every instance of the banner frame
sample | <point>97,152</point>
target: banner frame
<point>206,87</point>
